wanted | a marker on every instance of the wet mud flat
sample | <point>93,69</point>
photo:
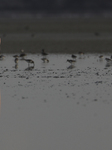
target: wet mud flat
<point>88,72</point>
<point>56,99</point>
<point>56,35</point>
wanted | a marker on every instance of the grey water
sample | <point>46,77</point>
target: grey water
<point>56,105</point>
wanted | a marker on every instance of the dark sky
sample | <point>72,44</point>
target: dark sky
<point>56,6</point>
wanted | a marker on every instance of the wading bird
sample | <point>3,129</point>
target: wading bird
<point>74,56</point>
<point>43,52</point>
<point>2,57</point>
<point>45,60</point>
<point>16,60</point>
<point>71,61</point>
<point>29,61</point>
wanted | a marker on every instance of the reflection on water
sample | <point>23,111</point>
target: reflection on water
<point>16,66</point>
<point>56,105</point>
<point>29,68</point>
<point>70,67</point>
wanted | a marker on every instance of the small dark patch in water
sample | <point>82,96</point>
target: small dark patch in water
<point>45,100</point>
<point>56,76</point>
<point>23,97</point>
<point>95,100</point>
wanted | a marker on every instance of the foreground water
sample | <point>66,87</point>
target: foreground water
<point>55,105</point>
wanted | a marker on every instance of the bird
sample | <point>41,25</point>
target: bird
<point>45,60</point>
<point>16,60</point>
<point>108,60</point>
<point>101,56</point>
<point>29,61</point>
<point>43,52</point>
<point>22,50</point>
<point>71,61</point>
<point>22,55</point>
<point>15,56</point>
<point>111,56</point>
<point>81,53</point>
<point>2,57</point>
<point>73,56</point>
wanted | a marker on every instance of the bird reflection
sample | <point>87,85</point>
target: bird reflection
<point>16,66</point>
<point>29,68</point>
<point>71,67</point>
<point>108,65</point>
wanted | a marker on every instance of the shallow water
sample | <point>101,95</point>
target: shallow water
<point>55,105</point>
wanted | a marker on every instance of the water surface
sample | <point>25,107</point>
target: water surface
<point>56,106</point>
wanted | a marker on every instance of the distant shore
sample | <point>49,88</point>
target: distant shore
<point>56,35</point>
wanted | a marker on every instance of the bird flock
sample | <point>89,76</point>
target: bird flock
<point>44,59</point>
<point>31,63</point>
<point>22,56</point>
